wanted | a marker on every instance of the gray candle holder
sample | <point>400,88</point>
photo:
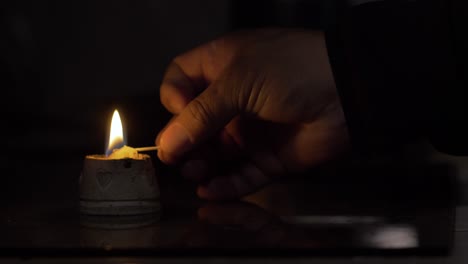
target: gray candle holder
<point>119,187</point>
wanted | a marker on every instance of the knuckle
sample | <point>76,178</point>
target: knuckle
<point>169,99</point>
<point>243,80</point>
<point>175,62</point>
<point>200,112</point>
<point>163,94</point>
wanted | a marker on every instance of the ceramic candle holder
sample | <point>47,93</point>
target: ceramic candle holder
<point>113,187</point>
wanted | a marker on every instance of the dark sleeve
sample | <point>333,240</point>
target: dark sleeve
<point>396,71</point>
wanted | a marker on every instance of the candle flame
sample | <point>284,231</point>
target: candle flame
<point>116,137</point>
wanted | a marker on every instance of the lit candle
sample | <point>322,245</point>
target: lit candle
<point>116,148</point>
<point>121,182</point>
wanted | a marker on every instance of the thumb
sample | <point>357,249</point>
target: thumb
<point>203,117</point>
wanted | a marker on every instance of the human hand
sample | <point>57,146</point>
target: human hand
<point>251,106</point>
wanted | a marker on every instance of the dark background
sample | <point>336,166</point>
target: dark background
<point>68,64</point>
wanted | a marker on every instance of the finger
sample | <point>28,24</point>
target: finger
<point>235,185</point>
<point>212,158</point>
<point>157,141</point>
<point>253,139</point>
<point>177,89</point>
<point>200,163</point>
<point>202,118</point>
<point>190,73</point>
<point>215,106</point>
<point>268,162</point>
<point>196,169</point>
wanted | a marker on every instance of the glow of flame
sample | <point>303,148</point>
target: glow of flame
<point>116,137</point>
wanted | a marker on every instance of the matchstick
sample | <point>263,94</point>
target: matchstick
<point>147,148</point>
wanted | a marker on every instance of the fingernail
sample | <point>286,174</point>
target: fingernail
<point>175,140</point>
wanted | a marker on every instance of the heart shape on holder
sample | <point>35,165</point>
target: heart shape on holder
<point>104,178</point>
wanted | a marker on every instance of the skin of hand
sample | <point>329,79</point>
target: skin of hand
<point>249,107</point>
